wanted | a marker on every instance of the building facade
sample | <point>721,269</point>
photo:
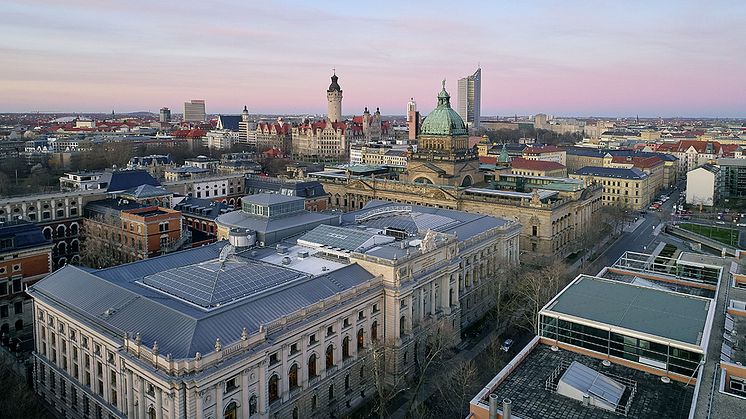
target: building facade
<point>624,188</point>
<point>25,257</point>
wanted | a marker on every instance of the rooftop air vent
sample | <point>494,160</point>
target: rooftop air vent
<point>323,268</point>
<point>555,348</point>
<point>303,254</point>
<point>286,260</point>
<point>606,363</point>
<point>665,380</point>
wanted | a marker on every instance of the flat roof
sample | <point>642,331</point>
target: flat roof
<point>656,312</point>
<point>525,386</point>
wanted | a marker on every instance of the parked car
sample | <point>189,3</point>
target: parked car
<point>507,344</point>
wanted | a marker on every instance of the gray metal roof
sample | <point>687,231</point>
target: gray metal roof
<point>240,219</point>
<point>116,300</point>
<point>337,237</point>
<point>613,172</point>
<point>269,199</point>
<point>665,314</point>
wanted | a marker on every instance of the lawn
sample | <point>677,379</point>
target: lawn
<point>723,235</point>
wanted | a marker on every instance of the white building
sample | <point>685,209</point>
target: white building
<point>702,185</point>
<point>221,139</point>
<point>194,111</point>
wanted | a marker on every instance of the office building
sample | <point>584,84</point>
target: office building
<point>238,330</point>
<point>649,336</point>
<point>165,115</point>
<point>194,111</point>
<point>470,98</point>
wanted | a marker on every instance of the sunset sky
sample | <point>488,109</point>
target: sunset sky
<point>652,58</point>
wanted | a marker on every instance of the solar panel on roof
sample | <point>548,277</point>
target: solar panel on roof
<point>212,284</point>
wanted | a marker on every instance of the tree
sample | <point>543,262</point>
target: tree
<point>18,400</point>
<point>533,289</point>
<point>98,249</point>
<point>455,390</point>
<point>436,345</point>
<point>387,384</point>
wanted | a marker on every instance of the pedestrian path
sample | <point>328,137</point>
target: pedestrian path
<point>632,227</point>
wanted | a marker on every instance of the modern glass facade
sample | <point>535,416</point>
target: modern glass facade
<point>603,341</point>
<point>273,210</point>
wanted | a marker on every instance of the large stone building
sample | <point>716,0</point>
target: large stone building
<point>286,331</point>
<point>553,221</point>
<point>443,155</point>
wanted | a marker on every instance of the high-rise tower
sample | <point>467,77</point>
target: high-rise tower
<point>334,96</point>
<point>413,119</point>
<point>469,98</point>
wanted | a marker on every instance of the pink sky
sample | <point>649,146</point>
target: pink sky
<point>665,58</point>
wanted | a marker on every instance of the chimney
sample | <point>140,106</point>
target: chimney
<point>493,406</point>
<point>507,404</point>
<point>586,400</point>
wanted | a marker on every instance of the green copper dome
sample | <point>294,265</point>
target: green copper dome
<point>443,120</point>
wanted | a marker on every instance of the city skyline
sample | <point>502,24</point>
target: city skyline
<point>665,59</point>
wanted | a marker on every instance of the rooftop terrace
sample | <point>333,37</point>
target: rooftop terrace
<point>533,397</point>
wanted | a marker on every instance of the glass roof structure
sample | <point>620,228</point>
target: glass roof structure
<point>214,283</point>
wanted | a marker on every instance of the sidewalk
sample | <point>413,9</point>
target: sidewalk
<point>632,227</point>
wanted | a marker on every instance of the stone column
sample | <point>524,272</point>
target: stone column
<point>200,408</point>
<point>219,399</point>
<point>141,398</point>
<point>130,395</point>
<point>263,387</point>
<point>432,297</point>
<point>158,403</point>
<point>285,390</point>
<point>245,393</point>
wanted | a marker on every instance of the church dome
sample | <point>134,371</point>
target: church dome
<point>443,120</point>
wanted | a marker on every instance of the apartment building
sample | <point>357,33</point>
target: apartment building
<point>625,188</point>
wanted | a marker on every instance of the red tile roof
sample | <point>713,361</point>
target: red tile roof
<point>639,162</point>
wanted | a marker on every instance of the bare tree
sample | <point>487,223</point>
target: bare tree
<point>18,400</point>
<point>98,248</point>
<point>388,384</point>
<point>455,390</point>
<point>534,288</point>
<point>436,349</point>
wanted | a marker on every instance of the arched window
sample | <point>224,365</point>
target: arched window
<point>274,388</point>
<point>19,325</point>
<point>61,230</point>
<point>231,411</point>
<point>329,356</point>
<point>253,405</point>
<point>314,402</point>
<point>62,248</point>
<point>403,325</point>
<point>312,366</point>
<point>74,246</point>
<point>293,376</point>
<point>151,412</point>
<point>331,392</point>
<point>360,339</point>
<point>295,412</point>
<point>347,382</point>
<point>47,233</point>
<point>362,371</point>
<point>346,347</point>
<point>374,331</point>
<point>74,229</point>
